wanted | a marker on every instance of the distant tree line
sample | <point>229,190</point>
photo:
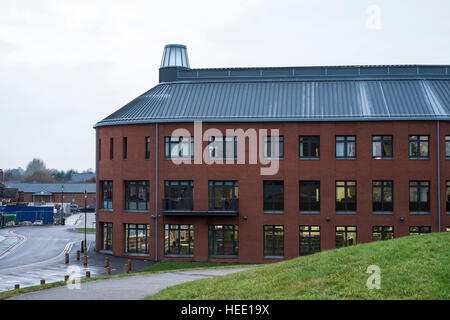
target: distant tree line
<point>36,171</point>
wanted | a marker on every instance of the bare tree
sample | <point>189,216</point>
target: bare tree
<point>35,165</point>
<point>40,176</point>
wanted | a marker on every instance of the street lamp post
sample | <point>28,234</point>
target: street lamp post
<point>85,211</point>
<point>62,204</point>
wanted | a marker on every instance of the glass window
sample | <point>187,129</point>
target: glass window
<point>137,195</point>
<point>136,238</point>
<point>345,236</point>
<point>107,194</point>
<point>345,196</point>
<point>273,241</point>
<point>419,147</point>
<point>345,147</point>
<point>125,148</point>
<point>382,233</point>
<point>147,148</point>
<point>223,240</point>
<point>273,195</point>
<point>111,148</point>
<point>99,149</point>
<point>309,240</point>
<point>309,196</point>
<point>107,236</point>
<point>178,195</point>
<point>447,147</point>
<point>179,147</point>
<point>382,196</point>
<point>419,196</point>
<point>447,186</point>
<point>179,239</point>
<point>223,148</point>
<point>419,230</point>
<point>309,147</point>
<point>274,147</point>
<point>223,195</point>
<point>382,147</point>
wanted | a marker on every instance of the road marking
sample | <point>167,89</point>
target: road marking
<point>67,249</point>
<point>14,246</point>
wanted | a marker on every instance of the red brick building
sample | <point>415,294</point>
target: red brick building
<point>54,192</point>
<point>360,154</point>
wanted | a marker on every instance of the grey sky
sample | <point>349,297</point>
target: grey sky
<point>64,65</point>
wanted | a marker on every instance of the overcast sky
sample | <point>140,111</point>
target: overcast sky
<point>65,65</point>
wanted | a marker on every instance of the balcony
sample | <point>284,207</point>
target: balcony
<point>224,207</point>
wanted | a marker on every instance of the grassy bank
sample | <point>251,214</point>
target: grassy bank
<point>413,267</point>
<point>92,230</point>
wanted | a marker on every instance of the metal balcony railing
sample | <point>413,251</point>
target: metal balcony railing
<point>224,204</point>
<point>178,204</point>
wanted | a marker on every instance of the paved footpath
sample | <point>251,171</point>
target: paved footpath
<point>127,288</point>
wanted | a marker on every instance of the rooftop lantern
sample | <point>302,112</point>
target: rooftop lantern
<point>174,57</point>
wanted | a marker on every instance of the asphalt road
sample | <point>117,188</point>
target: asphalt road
<point>127,288</point>
<point>29,254</point>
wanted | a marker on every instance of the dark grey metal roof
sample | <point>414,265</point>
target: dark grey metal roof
<point>53,187</point>
<point>77,177</point>
<point>352,93</point>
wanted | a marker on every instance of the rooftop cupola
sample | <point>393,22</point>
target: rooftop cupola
<point>174,58</point>
<point>175,55</point>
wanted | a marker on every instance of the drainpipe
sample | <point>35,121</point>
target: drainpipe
<point>97,225</point>
<point>156,192</point>
<point>438,179</point>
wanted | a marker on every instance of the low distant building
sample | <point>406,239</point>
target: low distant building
<point>8,194</point>
<point>80,177</point>
<point>53,192</point>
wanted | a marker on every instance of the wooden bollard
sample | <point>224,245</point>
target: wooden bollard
<point>78,255</point>
<point>42,282</point>
<point>106,262</point>
<point>17,286</point>
<point>85,260</point>
<point>108,271</point>
<point>129,265</point>
<point>88,274</point>
<point>67,258</point>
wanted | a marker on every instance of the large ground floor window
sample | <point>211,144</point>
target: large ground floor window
<point>419,230</point>
<point>223,240</point>
<point>107,236</point>
<point>179,239</point>
<point>345,236</point>
<point>136,238</point>
<point>382,233</point>
<point>309,240</point>
<point>273,241</point>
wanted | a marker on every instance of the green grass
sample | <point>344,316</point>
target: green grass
<point>87,229</point>
<point>165,266</point>
<point>160,267</point>
<point>413,267</point>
